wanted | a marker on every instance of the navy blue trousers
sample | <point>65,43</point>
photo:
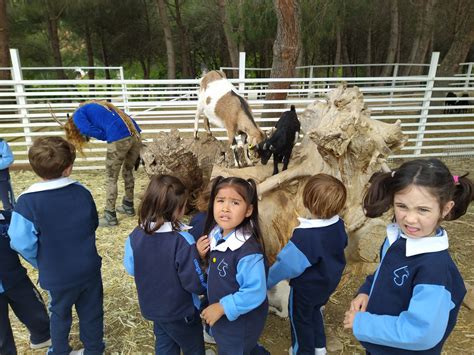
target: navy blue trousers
<point>6,195</point>
<point>306,318</point>
<point>88,301</point>
<point>28,306</point>
<point>182,335</point>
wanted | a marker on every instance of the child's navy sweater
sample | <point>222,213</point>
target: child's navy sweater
<point>11,270</point>
<point>414,296</point>
<point>167,272</point>
<point>314,258</point>
<point>53,228</point>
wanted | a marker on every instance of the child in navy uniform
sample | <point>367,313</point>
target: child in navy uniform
<point>53,228</point>
<point>18,292</point>
<point>6,191</point>
<point>313,260</point>
<point>165,263</point>
<point>237,267</point>
<point>410,304</point>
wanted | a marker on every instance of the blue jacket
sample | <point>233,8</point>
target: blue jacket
<point>6,159</point>
<point>237,273</point>
<point>94,120</point>
<point>313,259</point>
<point>53,227</point>
<point>11,270</point>
<point>414,296</point>
<point>167,272</point>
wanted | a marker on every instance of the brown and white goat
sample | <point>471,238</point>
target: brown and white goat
<point>223,107</point>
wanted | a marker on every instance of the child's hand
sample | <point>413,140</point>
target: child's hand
<point>203,245</point>
<point>212,313</point>
<point>360,302</point>
<point>349,319</point>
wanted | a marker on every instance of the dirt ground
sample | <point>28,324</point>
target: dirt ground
<point>126,332</point>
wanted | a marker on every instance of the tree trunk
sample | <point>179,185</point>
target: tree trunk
<point>394,34</point>
<point>186,70</point>
<point>4,41</point>
<point>241,31</point>
<point>90,50</point>
<point>168,39</point>
<point>285,49</point>
<point>52,23</point>
<point>368,58</point>
<point>105,55</point>
<point>338,54</point>
<point>422,40</point>
<point>231,42</point>
<point>462,42</point>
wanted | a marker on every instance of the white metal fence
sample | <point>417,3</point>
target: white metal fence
<point>434,127</point>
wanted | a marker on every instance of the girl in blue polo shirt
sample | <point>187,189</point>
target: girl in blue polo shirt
<point>411,303</point>
<point>166,265</point>
<point>237,289</point>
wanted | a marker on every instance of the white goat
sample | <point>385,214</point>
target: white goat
<point>221,105</point>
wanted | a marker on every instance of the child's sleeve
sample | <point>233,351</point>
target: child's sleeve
<point>23,236</point>
<point>422,325</point>
<point>188,266</point>
<point>128,261</point>
<point>84,125</point>
<point>6,156</point>
<point>252,291</point>
<point>291,262</point>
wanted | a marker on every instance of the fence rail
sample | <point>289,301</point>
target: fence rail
<point>434,127</point>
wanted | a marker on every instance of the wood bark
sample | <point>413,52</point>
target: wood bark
<point>52,20</point>
<point>462,42</point>
<point>171,59</point>
<point>393,42</point>
<point>285,49</point>
<point>186,70</point>
<point>232,45</point>
<point>4,41</point>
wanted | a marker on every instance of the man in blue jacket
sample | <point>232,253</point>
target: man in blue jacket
<point>105,122</point>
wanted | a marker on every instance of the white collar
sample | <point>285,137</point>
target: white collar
<point>234,240</point>
<point>317,223</point>
<point>168,227</point>
<point>49,185</point>
<point>415,246</point>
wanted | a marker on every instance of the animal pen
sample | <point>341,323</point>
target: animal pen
<point>419,102</point>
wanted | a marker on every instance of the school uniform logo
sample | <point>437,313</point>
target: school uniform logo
<point>401,275</point>
<point>222,267</point>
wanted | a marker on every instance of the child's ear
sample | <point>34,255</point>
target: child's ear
<point>447,208</point>
<point>249,211</point>
<point>67,171</point>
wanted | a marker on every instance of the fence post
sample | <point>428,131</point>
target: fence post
<point>19,93</point>
<point>241,72</point>
<point>394,81</point>
<point>426,102</point>
<point>311,83</point>
<point>468,75</point>
<point>124,91</point>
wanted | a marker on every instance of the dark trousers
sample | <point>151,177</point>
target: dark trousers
<point>29,308</point>
<point>182,335</point>
<point>88,301</point>
<point>306,319</point>
<point>6,195</point>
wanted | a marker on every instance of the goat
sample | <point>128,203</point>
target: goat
<point>220,104</point>
<point>281,143</point>
<point>450,101</point>
<point>463,101</point>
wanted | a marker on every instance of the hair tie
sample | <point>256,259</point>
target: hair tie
<point>456,179</point>
<point>393,173</point>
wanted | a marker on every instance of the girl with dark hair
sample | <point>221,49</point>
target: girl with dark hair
<point>237,290</point>
<point>410,305</point>
<point>165,263</point>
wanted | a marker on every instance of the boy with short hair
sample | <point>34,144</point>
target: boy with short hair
<point>18,292</point>
<point>53,228</point>
<point>313,260</point>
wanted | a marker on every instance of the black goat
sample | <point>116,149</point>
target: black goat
<point>281,143</point>
<point>463,101</point>
<point>450,102</point>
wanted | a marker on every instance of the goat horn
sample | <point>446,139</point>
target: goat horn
<point>54,116</point>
